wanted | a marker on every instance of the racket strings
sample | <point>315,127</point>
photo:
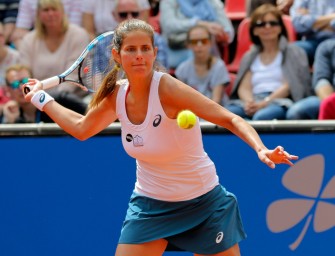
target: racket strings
<point>97,64</point>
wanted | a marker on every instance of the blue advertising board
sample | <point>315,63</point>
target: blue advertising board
<point>61,196</point>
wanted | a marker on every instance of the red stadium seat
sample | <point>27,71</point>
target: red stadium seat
<point>235,9</point>
<point>230,85</point>
<point>243,44</point>
<point>291,33</point>
<point>155,23</point>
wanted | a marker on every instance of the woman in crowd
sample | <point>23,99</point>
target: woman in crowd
<point>51,47</point>
<point>273,73</point>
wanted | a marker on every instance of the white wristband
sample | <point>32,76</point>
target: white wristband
<point>40,99</point>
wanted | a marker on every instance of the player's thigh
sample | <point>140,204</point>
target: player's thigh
<point>154,248</point>
<point>232,251</point>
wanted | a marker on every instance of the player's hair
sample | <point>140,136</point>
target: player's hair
<point>122,30</point>
<point>58,5</point>
<point>258,14</point>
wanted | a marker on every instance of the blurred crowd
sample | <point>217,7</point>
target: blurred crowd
<point>283,51</point>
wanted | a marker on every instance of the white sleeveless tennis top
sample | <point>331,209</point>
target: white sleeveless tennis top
<point>171,162</point>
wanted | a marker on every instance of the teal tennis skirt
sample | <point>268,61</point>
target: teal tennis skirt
<point>208,224</point>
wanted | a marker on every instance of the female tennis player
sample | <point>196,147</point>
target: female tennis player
<point>177,201</point>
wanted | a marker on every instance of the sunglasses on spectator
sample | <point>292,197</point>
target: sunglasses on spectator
<point>124,15</point>
<point>262,24</point>
<point>200,41</point>
<point>16,84</point>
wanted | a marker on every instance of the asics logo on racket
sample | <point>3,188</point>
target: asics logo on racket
<point>219,237</point>
<point>42,97</point>
<point>157,120</point>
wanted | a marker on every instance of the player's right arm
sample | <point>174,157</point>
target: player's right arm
<point>80,126</point>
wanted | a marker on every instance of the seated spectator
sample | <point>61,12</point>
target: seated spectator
<point>8,14</point>
<point>273,73</point>
<point>128,9</point>
<point>204,72</point>
<point>8,56</point>
<point>17,109</point>
<point>98,18</point>
<point>323,84</point>
<point>178,16</point>
<point>52,46</point>
<point>314,21</point>
<point>27,13</point>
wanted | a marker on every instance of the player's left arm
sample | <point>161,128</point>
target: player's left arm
<point>176,96</point>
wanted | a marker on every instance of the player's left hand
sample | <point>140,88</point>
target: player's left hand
<point>276,156</point>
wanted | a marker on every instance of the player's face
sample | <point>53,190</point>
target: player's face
<point>137,54</point>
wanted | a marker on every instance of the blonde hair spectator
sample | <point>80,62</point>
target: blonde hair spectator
<point>56,4</point>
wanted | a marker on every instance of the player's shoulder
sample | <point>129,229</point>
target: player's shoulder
<point>169,85</point>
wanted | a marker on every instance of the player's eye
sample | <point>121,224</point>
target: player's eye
<point>131,49</point>
<point>146,48</point>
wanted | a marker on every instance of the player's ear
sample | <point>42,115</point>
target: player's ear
<point>116,56</point>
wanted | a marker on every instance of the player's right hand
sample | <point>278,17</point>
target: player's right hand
<point>29,88</point>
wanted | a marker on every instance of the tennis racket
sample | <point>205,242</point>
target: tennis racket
<point>92,66</point>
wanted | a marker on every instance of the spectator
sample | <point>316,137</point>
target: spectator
<point>8,56</point>
<point>27,13</point>
<point>52,46</point>
<point>98,18</point>
<point>324,78</point>
<point>8,14</point>
<point>178,16</point>
<point>204,72</point>
<point>314,21</point>
<point>273,74</point>
<point>125,9</point>
<point>18,110</point>
<point>323,85</point>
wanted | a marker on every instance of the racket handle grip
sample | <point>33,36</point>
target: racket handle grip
<point>27,88</point>
<point>50,82</point>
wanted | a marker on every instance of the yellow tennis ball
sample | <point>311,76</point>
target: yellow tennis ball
<point>186,119</point>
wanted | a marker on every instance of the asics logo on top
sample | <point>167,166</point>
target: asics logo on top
<point>219,237</point>
<point>157,120</point>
